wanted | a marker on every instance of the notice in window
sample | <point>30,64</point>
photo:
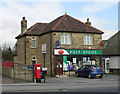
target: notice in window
<point>74,60</point>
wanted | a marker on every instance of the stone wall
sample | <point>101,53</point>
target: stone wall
<point>78,41</point>
<point>7,71</point>
<point>23,74</point>
<point>20,58</point>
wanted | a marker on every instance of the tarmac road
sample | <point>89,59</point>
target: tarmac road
<point>109,83</point>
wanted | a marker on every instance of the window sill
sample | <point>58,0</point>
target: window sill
<point>66,44</point>
<point>88,45</point>
<point>33,47</point>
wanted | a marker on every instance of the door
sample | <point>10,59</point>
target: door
<point>59,65</point>
<point>107,65</point>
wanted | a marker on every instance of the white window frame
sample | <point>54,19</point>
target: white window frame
<point>88,39</point>
<point>33,39</point>
<point>66,38</point>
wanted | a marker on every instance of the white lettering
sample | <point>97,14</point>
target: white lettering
<point>83,52</point>
<point>73,52</point>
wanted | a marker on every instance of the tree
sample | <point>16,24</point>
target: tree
<point>7,53</point>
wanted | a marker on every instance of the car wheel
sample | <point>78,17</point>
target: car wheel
<point>76,74</point>
<point>89,76</point>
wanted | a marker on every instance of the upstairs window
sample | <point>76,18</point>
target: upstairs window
<point>33,42</point>
<point>88,39</point>
<point>65,38</point>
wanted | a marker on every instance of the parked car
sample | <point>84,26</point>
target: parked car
<point>90,71</point>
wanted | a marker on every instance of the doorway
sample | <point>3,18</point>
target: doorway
<point>59,65</point>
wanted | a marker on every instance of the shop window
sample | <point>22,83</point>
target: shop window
<point>88,39</point>
<point>65,38</point>
<point>95,60</point>
<point>33,42</point>
<point>74,62</point>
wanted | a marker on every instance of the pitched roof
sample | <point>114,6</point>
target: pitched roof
<point>112,45</point>
<point>63,23</point>
<point>70,24</point>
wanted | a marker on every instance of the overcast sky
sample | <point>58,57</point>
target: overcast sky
<point>103,15</point>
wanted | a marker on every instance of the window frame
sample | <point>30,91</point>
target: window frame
<point>66,38</point>
<point>33,39</point>
<point>88,39</point>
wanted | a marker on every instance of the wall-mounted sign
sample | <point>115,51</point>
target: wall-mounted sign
<point>27,67</point>
<point>43,48</point>
<point>57,44</point>
<point>60,52</point>
<point>44,69</point>
<point>101,43</point>
<point>77,52</point>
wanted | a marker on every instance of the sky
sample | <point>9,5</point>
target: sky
<point>102,14</point>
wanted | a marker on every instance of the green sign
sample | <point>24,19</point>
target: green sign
<point>64,62</point>
<point>84,52</point>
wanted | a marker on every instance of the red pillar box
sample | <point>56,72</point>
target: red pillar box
<point>38,71</point>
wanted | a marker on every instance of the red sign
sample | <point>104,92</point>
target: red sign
<point>101,43</point>
<point>61,52</point>
<point>8,64</point>
<point>37,71</point>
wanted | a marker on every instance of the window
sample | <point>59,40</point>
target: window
<point>65,38</point>
<point>88,39</point>
<point>33,42</point>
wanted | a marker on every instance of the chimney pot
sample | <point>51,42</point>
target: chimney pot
<point>89,23</point>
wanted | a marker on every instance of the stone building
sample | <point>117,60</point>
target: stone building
<point>68,42</point>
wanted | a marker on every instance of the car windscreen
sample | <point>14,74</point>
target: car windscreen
<point>96,67</point>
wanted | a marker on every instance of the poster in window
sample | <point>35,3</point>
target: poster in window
<point>74,60</point>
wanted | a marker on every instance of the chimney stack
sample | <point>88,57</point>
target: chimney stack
<point>23,25</point>
<point>89,23</point>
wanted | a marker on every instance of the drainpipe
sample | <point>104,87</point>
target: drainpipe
<point>51,54</point>
<point>25,51</point>
<point>25,57</point>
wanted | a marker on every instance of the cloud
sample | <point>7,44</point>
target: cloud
<point>11,14</point>
<point>96,7</point>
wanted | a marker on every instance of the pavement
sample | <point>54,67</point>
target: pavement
<point>109,83</point>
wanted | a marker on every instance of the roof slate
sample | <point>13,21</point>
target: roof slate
<point>64,23</point>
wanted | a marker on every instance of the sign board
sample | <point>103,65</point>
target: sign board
<point>57,44</point>
<point>44,69</point>
<point>38,68</point>
<point>43,48</point>
<point>77,52</point>
<point>27,67</point>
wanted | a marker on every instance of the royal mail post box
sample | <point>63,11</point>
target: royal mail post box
<point>38,71</point>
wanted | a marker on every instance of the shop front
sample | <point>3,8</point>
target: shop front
<point>66,60</point>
